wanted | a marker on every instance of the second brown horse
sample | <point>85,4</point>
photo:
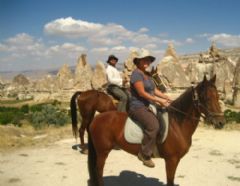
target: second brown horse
<point>88,102</point>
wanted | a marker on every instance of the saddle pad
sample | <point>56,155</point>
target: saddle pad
<point>133,132</point>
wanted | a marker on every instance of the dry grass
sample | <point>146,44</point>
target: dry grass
<point>12,137</point>
<point>15,103</point>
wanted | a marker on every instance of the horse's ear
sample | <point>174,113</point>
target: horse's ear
<point>213,80</point>
<point>204,79</point>
<point>152,71</point>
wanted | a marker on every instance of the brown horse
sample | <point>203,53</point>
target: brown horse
<point>88,102</point>
<point>107,130</point>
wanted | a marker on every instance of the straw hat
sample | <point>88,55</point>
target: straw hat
<point>143,53</point>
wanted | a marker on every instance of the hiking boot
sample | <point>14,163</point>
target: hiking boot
<point>146,161</point>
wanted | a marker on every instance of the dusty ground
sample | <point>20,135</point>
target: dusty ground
<point>213,160</point>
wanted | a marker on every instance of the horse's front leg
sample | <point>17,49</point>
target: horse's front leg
<point>171,166</point>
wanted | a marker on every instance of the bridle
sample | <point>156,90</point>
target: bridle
<point>198,105</point>
<point>154,77</point>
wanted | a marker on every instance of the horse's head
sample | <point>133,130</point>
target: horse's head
<point>157,80</point>
<point>206,100</point>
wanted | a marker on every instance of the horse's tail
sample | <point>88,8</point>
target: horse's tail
<point>92,162</point>
<point>73,107</point>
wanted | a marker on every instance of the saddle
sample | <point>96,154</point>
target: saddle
<point>133,132</point>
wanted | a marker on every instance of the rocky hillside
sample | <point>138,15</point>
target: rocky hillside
<point>233,54</point>
<point>177,70</point>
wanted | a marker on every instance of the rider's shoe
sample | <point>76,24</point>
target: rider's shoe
<point>146,161</point>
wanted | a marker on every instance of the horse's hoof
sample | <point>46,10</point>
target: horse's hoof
<point>84,151</point>
<point>82,146</point>
<point>76,147</point>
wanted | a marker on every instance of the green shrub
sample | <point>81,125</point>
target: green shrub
<point>8,109</point>
<point>40,115</point>
<point>11,117</point>
<point>6,117</point>
<point>17,118</point>
<point>49,115</point>
<point>232,116</point>
<point>36,108</point>
<point>24,109</point>
<point>56,103</point>
<point>38,120</point>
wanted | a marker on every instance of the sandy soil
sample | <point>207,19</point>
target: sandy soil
<point>214,159</point>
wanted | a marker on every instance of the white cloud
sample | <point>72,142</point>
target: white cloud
<point>143,39</point>
<point>151,46</point>
<point>102,41</point>
<point>226,40</point>
<point>119,48</point>
<point>25,51</point>
<point>174,42</point>
<point>204,35</point>
<point>69,50</point>
<point>143,30</point>
<point>73,47</point>
<point>3,47</point>
<point>77,37</point>
<point>22,45</point>
<point>20,39</point>
<point>100,35</point>
<point>99,50</point>
<point>69,27</point>
<point>189,40</point>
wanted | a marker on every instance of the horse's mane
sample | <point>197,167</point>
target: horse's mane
<point>181,105</point>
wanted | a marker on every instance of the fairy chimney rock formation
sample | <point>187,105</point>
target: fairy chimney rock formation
<point>129,66</point>
<point>83,74</point>
<point>21,80</point>
<point>172,70</point>
<point>236,86</point>
<point>99,78</point>
<point>213,51</point>
<point>222,67</point>
<point>170,51</point>
<point>65,77</point>
<point>46,84</point>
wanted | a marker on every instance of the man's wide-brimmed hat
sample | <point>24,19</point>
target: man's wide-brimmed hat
<point>111,57</point>
<point>143,53</point>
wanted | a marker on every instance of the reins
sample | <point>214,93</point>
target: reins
<point>186,114</point>
<point>155,81</point>
<point>197,104</point>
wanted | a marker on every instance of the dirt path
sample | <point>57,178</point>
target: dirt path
<point>213,160</point>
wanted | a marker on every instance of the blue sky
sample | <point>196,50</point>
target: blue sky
<point>42,34</point>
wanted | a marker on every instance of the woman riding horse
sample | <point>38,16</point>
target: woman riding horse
<point>144,92</point>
